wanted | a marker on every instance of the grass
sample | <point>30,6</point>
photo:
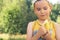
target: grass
<point>12,37</point>
<point>17,39</point>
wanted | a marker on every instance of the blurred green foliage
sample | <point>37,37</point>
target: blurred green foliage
<point>15,15</point>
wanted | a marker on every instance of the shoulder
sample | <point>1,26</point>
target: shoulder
<point>30,23</point>
<point>29,26</point>
<point>57,25</point>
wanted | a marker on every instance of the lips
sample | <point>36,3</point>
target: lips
<point>42,15</point>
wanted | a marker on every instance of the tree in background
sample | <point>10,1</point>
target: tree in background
<point>15,15</point>
<point>55,12</point>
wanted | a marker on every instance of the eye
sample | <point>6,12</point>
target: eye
<point>45,8</point>
<point>38,9</point>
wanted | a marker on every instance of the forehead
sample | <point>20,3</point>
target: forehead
<point>41,4</point>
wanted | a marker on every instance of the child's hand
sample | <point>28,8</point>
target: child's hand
<point>42,30</point>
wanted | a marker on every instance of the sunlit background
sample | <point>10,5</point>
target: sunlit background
<point>54,1</point>
<point>51,1</point>
<point>16,14</point>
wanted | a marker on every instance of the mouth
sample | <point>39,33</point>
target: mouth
<point>42,15</point>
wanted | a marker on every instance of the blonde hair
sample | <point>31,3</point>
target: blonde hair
<point>45,0</point>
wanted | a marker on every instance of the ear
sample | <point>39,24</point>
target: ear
<point>50,6</point>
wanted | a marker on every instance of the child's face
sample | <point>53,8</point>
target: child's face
<point>42,9</point>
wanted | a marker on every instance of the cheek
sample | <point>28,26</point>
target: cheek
<point>36,12</point>
<point>47,13</point>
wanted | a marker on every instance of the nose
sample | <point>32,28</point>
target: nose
<point>42,11</point>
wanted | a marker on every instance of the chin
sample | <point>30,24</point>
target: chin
<point>43,18</point>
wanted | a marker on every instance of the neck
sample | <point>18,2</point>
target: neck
<point>42,21</point>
